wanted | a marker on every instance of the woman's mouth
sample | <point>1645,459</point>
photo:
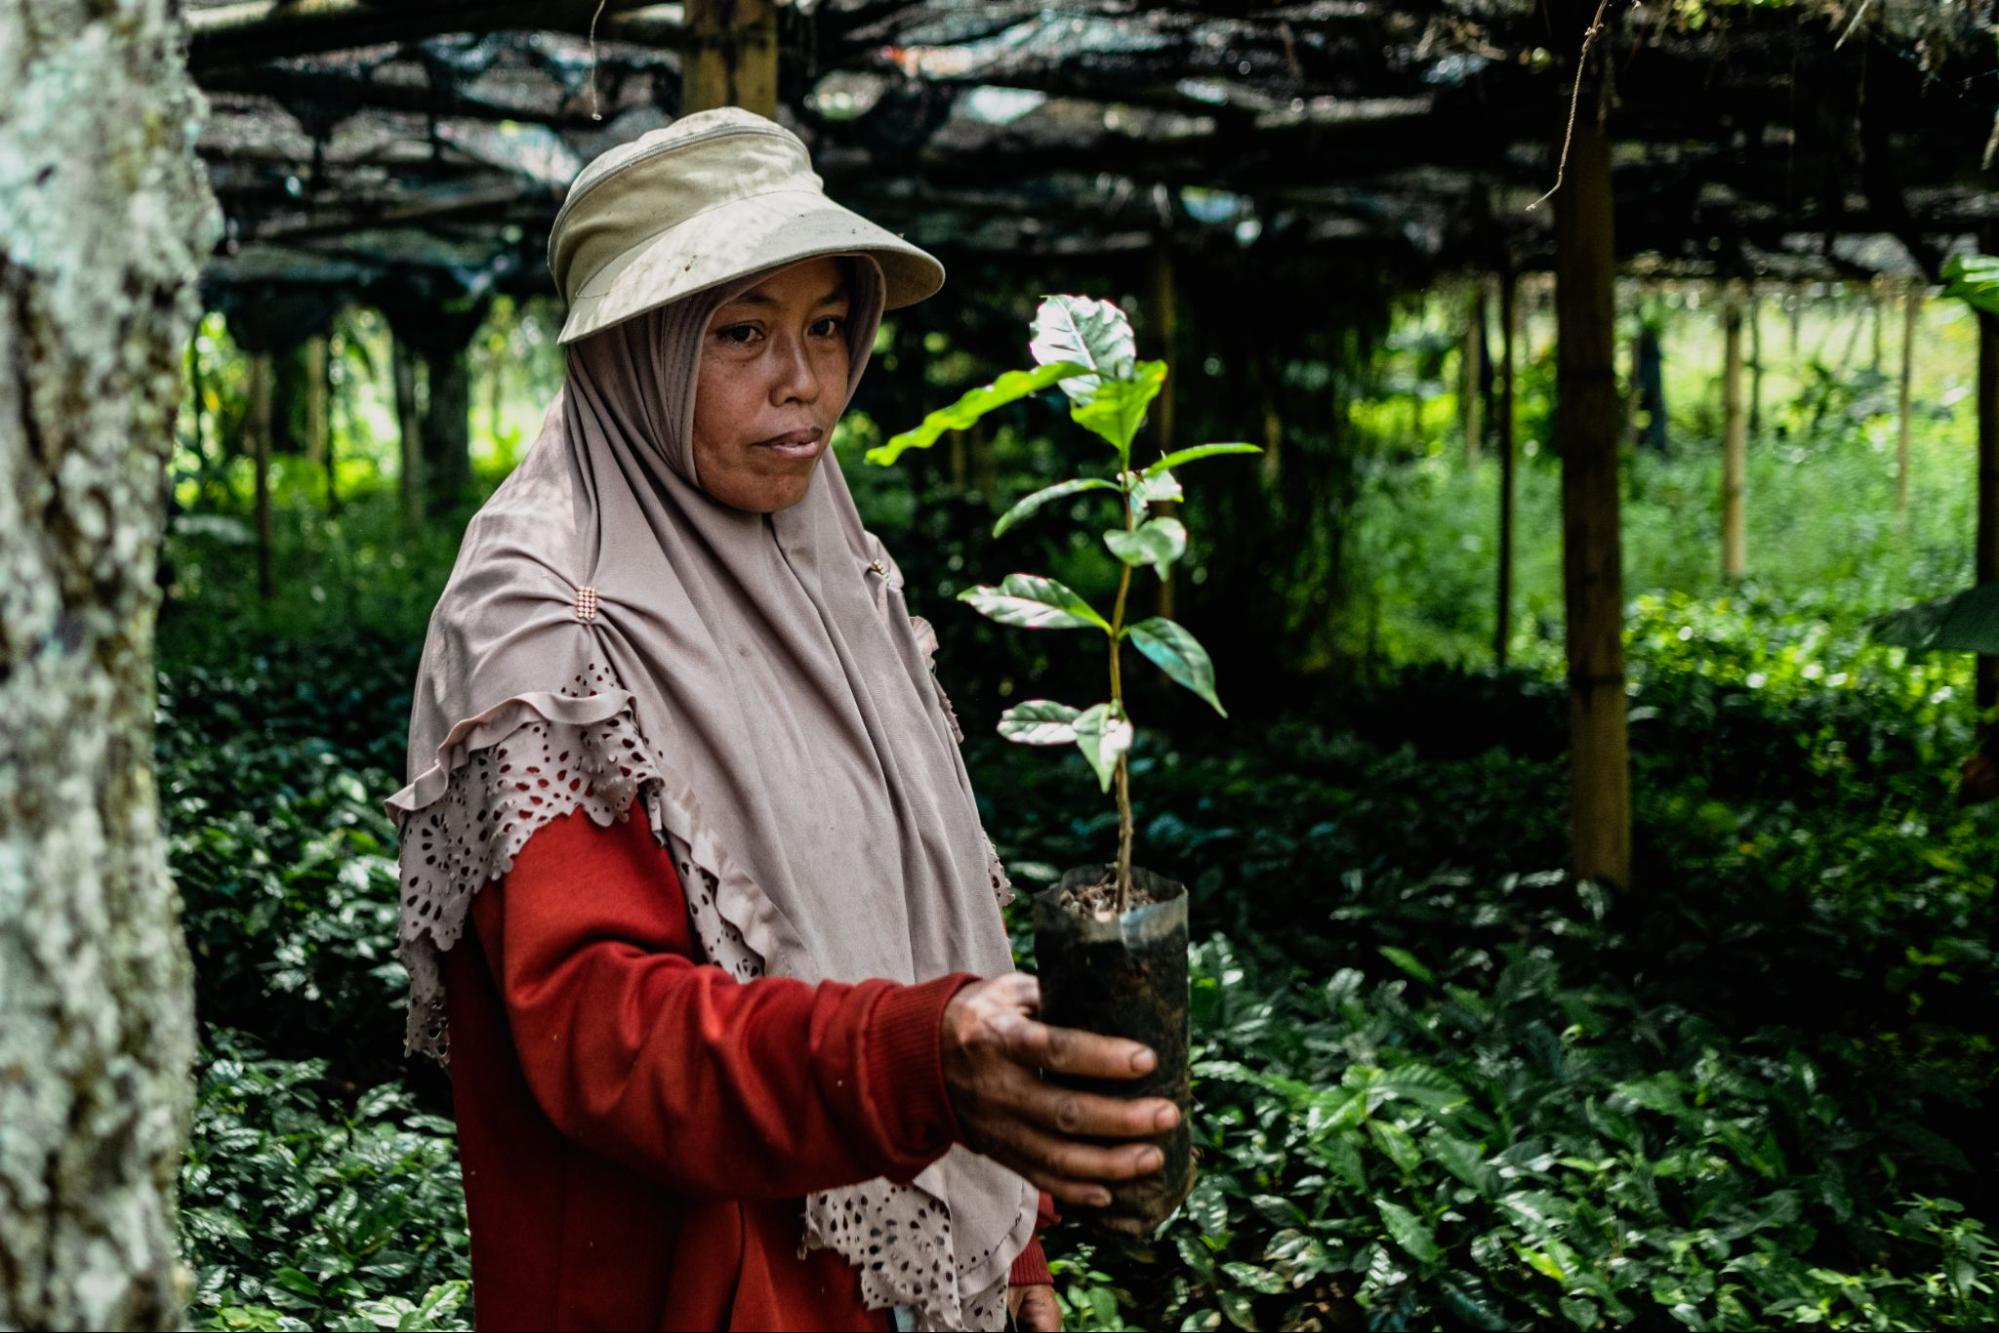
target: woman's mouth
<point>799,444</point>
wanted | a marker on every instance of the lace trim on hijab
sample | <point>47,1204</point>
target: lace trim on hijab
<point>534,769</point>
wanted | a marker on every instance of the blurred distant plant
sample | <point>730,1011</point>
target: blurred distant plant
<point>1086,347</point>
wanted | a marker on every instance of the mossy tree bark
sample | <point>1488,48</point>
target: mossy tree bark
<point>1586,431</point>
<point>105,219</point>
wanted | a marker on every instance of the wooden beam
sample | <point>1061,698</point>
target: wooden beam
<point>729,56</point>
<point>1586,431</point>
<point>253,31</point>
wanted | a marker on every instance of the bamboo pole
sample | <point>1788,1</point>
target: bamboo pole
<point>1503,623</point>
<point>1586,427</point>
<point>729,56</point>
<point>1911,312</point>
<point>1734,441</point>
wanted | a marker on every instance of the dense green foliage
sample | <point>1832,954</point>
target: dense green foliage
<point>1438,1083</point>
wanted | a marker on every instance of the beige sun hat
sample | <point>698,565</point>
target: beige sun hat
<point>711,197</point>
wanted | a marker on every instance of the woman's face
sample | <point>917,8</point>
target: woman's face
<point>772,382</point>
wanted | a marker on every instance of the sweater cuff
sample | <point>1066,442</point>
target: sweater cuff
<point>906,1067</point>
<point>1031,1268</point>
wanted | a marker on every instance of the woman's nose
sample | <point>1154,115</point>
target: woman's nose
<point>797,377</point>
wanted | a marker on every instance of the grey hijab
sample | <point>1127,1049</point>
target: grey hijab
<point>759,680</point>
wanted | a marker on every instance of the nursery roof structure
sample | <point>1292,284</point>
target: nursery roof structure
<point>356,140</point>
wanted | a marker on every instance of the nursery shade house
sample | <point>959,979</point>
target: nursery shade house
<point>1285,161</point>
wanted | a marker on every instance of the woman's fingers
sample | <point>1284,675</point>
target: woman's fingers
<point>1067,1169</point>
<point>1073,1051</point>
<point>1087,1114</point>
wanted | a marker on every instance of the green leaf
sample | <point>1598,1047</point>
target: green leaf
<point>1046,494</point>
<point>1255,1277</point>
<point>1179,655</point>
<point>1157,542</point>
<point>1013,385</point>
<point>1033,602</point>
<point>1409,963</point>
<point>1102,736</point>
<point>1964,622</point>
<point>1150,487</point>
<point>1083,331</point>
<point>1039,722</point>
<point>1179,456</point>
<point>1973,279</point>
<point>1117,409</point>
<point>1238,1309</point>
<point>1409,1231</point>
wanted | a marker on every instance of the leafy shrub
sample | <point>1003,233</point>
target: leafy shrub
<point>303,1210</point>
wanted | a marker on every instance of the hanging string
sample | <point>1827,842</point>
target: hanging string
<point>595,112</point>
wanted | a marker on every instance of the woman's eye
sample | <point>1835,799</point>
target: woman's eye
<point>836,321</point>
<point>730,333</point>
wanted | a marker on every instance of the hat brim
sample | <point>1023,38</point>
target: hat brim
<point>739,237</point>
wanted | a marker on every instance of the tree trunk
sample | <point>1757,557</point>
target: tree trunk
<point>1987,538</point>
<point>97,123</point>
<point>1586,428</point>
<point>1470,399</point>
<point>314,357</point>
<point>447,427</point>
<point>1649,370</point>
<point>409,425</point>
<point>1166,318</point>
<point>262,374</point>
<point>1912,306</point>
<point>1734,441</point>
<point>729,56</point>
<point>1755,316</point>
<point>1503,625</point>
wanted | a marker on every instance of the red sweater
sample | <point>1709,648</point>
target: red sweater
<point>637,1130</point>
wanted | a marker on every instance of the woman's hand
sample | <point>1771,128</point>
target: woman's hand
<point>1035,1309</point>
<point>993,1054</point>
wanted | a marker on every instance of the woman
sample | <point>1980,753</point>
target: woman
<point>737,1042</point>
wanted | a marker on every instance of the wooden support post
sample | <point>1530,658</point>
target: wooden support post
<point>729,56</point>
<point>1586,431</point>
<point>1472,356</point>
<point>261,376</point>
<point>1734,440</point>
<point>1912,305</point>
<point>1987,539</point>
<point>1503,624</point>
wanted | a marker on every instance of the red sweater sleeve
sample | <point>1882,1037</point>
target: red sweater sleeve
<point>714,1087</point>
